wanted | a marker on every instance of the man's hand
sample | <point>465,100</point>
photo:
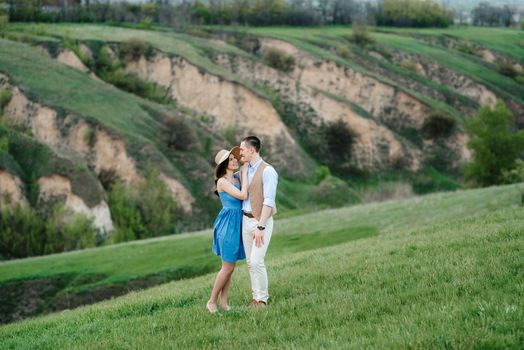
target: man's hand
<point>258,237</point>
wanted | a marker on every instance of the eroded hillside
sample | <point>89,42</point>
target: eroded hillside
<point>314,97</point>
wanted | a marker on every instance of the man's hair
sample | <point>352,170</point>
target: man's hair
<point>253,141</point>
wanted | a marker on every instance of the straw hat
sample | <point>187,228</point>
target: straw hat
<point>223,154</point>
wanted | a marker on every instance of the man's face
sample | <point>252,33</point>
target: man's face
<point>246,152</point>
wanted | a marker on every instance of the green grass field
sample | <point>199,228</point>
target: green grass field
<point>503,40</point>
<point>444,271</point>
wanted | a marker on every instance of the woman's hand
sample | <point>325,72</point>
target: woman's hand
<point>244,170</point>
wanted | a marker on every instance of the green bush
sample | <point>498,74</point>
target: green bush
<point>5,97</point>
<point>135,48</point>
<point>467,47</point>
<point>179,135</point>
<point>132,83</point>
<point>105,60</point>
<point>432,181</point>
<point>344,52</point>
<point>333,192</point>
<point>322,172</point>
<point>4,144</point>
<point>507,68</point>
<point>4,20</point>
<point>157,206</point>
<point>495,147</point>
<point>514,175</point>
<point>438,125</point>
<point>336,145</point>
<point>21,232</point>
<point>123,202</point>
<point>146,23</point>
<point>279,60</point>
<point>409,64</point>
<point>520,79</point>
<point>65,232</point>
<point>360,36</point>
<point>147,211</point>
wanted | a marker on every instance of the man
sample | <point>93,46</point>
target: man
<point>257,224</point>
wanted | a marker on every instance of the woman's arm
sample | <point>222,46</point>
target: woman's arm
<point>225,186</point>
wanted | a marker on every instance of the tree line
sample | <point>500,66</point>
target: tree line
<point>420,13</point>
<point>485,14</point>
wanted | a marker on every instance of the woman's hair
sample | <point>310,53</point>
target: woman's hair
<point>220,171</point>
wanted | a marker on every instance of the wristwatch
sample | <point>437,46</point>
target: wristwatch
<point>261,228</point>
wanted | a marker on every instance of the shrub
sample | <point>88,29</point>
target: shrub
<point>135,48</point>
<point>507,68</point>
<point>21,232</point>
<point>65,232</point>
<point>432,181</point>
<point>409,64</point>
<point>279,60</point>
<point>178,135</point>
<point>336,146</point>
<point>79,233</point>
<point>4,20</point>
<point>5,97</point>
<point>146,23</point>
<point>132,83</point>
<point>123,202</point>
<point>520,79</point>
<point>344,52</point>
<point>438,125</point>
<point>147,211</point>
<point>105,59</point>
<point>321,173</point>
<point>157,206</point>
<point>360,36</point>
<point>467,47</point>
<point>333,192</point>
<point>514,175</point>
<point>495,148</point>
<point>4,144</point>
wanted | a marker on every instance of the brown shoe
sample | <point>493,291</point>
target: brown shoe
<point>253,303</point>
<point>261,304</point>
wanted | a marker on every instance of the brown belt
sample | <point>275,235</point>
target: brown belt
<point>249,215</point>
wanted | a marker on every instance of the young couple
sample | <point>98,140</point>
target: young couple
<point>244,226</point>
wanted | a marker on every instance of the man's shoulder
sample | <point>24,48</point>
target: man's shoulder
<point>269,168</point>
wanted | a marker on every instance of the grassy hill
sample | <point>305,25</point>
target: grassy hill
<point>445,270</point>
<point>387,139</point>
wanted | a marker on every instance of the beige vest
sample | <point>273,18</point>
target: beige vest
<point>256,192</point>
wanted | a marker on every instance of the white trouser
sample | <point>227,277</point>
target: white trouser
<point>255,256</point>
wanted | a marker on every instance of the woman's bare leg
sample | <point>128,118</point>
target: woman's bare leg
<point>223,277</point>
<point>224,293</point>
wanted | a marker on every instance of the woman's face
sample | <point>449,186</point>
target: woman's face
<point>233,163</point>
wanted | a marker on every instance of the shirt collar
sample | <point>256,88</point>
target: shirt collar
<point>256,164</point>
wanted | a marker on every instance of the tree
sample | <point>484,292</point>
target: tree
<point>486,14</point>
<point>495,147</point>
<point>413,13</point>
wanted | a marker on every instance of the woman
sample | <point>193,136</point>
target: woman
<point>227,237</point>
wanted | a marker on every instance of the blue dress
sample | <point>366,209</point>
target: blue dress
<point>227,235</point>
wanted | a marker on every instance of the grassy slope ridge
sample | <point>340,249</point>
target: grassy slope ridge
<point>445,271</point>
<point>453,60</point>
